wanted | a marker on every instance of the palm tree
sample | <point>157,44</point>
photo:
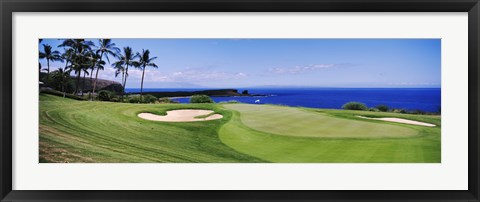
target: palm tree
<point>85,73</point>
<point>39,65</point>
<point>125,60</point>
<point>106,47</point>
<point>119,69</point>
<point>49,55</point>
<point>67,56</point>
<point>62,75</point>
<point>96,63</point>
<point>79,64</point>
<point>90,66</point>
<point>77,44</point>
<point>79,61</point>
<point>145,61</point>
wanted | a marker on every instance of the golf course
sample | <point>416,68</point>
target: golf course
<point>76,131</point>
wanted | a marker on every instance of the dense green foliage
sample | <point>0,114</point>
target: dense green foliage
<point>383,108</point>
<point>166,100</point>
<point>60,94</point>
<point>145,99</point>
<point>201,99</point>
<point>355,106</point>
<point>149,99</point>
<point>104,95</point>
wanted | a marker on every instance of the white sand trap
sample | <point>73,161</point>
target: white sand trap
<point>399,120</point>
<point>183,115</point>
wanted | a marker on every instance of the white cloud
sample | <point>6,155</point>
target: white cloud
<point>414,84</point>
<point>186,75</point>
<point>306,68</point>
<point>205,75</point>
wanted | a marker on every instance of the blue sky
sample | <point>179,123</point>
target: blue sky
<point>236,63</point>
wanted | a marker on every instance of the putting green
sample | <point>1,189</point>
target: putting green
<point>250,136</point>
<point>297,122</point>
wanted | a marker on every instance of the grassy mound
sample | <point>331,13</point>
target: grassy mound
<point>76,131</point>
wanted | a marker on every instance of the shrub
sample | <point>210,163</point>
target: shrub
<point>418,111</point>
<point>149,99</point>
<point>402,111</point>
<point>374,110</point>
<point>104,95</point>
<point>134,99</point>
<point>115,99</point>
<point>167,100</point>
<point>355,106</point>
<point>201,99</point>
<point>382,108</point>
<point>61,94</point>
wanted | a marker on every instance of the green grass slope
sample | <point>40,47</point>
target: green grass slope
<point>83,131</point>
<point>285,134</point>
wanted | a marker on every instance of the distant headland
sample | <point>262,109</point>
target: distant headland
<point>214,93</point>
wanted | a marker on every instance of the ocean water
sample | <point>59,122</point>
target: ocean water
<point>425,99</point>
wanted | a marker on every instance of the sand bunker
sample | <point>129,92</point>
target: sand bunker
<point>399,120</point>
<point>183,115</point>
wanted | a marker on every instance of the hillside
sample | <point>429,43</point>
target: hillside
<point>85,85</point>
<point>102,84</point>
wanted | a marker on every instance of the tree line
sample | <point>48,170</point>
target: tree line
<point>86,57</point>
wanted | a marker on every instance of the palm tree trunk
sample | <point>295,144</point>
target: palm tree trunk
<point>95,83</point>
<point>126,76</point>
<point>65,78</point>
<point>48,72</point>
<point>96,76</point>
<point>123,76</point>
<point>125,81</point>
<point>141,86</point>
<point>77,84</point>
<point>83,86</point>
<point>90,82</point>
<point>91,74</point>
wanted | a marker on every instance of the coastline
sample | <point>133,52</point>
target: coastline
<point>410,99</point>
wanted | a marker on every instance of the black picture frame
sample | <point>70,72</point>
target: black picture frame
<point>7,7</point>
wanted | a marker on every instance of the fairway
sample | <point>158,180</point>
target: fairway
<point>84,131</point>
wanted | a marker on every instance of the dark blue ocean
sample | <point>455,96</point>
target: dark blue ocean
<point>425,99</point>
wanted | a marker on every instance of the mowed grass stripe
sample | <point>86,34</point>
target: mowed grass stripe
<point>113,133</point>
